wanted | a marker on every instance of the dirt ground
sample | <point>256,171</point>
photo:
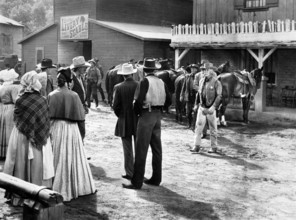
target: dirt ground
<point>252,177</point>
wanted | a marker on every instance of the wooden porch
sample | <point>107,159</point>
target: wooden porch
<point>260,39</point>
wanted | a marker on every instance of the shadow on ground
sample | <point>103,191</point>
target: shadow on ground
<point>174,203</point>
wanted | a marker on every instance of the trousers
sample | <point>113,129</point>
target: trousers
<point>128,154</point>
<point>200,124</point>
<point>148,133</point>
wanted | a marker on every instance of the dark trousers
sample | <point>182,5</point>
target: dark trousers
<point>128,154</point>
<point>101,92</point>
<point>148,132</point>
<point>91,89</point>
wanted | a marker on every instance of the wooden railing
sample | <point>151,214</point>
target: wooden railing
<point>235,28</point>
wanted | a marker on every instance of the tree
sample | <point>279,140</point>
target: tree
<point>33,14</point>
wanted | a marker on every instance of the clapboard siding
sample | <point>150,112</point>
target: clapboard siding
<point>113,47</point>
<point>212,11</point>
<point>48,40</point>
<point>74,7</point>
<point>158,12</point>
<point>15,34</point>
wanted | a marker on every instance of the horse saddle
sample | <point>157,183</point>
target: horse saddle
<point>245,77</point>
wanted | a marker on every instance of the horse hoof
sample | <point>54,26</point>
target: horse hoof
<point>224,124</point>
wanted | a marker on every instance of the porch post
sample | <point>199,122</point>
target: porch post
<point>178,57</point>
<point>260,97</point>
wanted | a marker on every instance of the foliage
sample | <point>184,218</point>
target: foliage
<point>33,14</point>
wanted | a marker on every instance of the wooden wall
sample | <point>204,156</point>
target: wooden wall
<point>157,12</point>
<point>10,35</point>
<point>47,39</point>
<point>113,47</point>
<point>208,11</point>
<point>74,7</point>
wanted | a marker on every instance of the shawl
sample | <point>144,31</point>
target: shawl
<point>32,119</point>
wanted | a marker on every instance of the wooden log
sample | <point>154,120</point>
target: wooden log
<point>40,203</point>
<point>29,190</point>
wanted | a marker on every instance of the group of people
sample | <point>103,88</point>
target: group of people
<point>46,128</point>
<point>138,106</point>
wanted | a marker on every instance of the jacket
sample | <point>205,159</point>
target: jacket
<point>210,92</point>
<point>123,108</point>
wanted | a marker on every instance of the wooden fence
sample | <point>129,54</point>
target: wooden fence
<point>235,28</point>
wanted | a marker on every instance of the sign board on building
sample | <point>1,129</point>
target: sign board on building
<point>74,27</point>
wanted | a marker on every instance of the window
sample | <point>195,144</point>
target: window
<point>255,4</point>
<point>39,54</point>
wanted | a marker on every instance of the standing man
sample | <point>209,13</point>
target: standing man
<point>93,80</point>
<point>197,78</point>
<point>45,77</point>
<point>78,68</point>
<point>210,93</point>
<point>150,97</point>
<point>126,125</point>
<point>99,66</point>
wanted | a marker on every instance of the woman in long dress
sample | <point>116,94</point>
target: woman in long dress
<point>29,155</point>
<point>8,94</point>
<point>73,177</point>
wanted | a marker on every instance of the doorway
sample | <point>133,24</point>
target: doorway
<point>87,49</point>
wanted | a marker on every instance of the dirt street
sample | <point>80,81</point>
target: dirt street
<point>252,177</point>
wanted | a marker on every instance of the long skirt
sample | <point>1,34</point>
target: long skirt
<point>27,163</point>
<point>6,125</point>
<point>73,177</point>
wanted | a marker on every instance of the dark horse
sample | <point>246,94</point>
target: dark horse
<point>232,86</point>
<point>112,78</point>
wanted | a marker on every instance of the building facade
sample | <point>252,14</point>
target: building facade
<point>114,31</point>
<point>250,34</point>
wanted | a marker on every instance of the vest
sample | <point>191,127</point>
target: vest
<point>155,95</point>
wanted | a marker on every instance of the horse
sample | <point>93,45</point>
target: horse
<point>233,86</point>
<point>223,68</point>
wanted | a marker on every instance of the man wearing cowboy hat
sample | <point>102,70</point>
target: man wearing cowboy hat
<point>99,66</point>
<point>150,97</point>
<point>188,93</point>
<point>78,68</point>
<point>93,80</point>
<point>209,96</point>
<point>126,125</point>
<point>44,76</point>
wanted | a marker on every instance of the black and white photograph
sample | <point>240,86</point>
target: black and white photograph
<point>147,109</point>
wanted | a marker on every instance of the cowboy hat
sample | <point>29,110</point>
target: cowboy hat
<point>47,63</point>
<point>193,66</point>
<point>150,63</point>
<point>126,69</point>
<point>79,62</point>
<point>208,66</point>
<point>92,61</point>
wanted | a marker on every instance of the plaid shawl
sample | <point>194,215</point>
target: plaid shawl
<point>32,118</point>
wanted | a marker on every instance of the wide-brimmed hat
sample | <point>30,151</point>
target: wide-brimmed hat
<point>79,62</point>
<point>47,63</point>
<point>126,69</point>
<point>150,63</point>
<point>92,61</point>
<point>208,66</point>
<point>193,66</point>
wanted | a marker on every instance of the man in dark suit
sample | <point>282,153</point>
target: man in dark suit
<point>79,67</point>
<point>150,97</point>
<point>127,120</point>
<point>45,77</point>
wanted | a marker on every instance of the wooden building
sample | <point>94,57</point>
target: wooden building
<point>114,31</point>
<point>11,32</point>
<point>248,33</point>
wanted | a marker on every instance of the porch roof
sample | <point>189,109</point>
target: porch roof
<point>140,31</point>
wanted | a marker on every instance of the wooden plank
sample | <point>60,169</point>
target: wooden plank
<point>194,15</point>
<point>203,11</point>
<point>290,9</point>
